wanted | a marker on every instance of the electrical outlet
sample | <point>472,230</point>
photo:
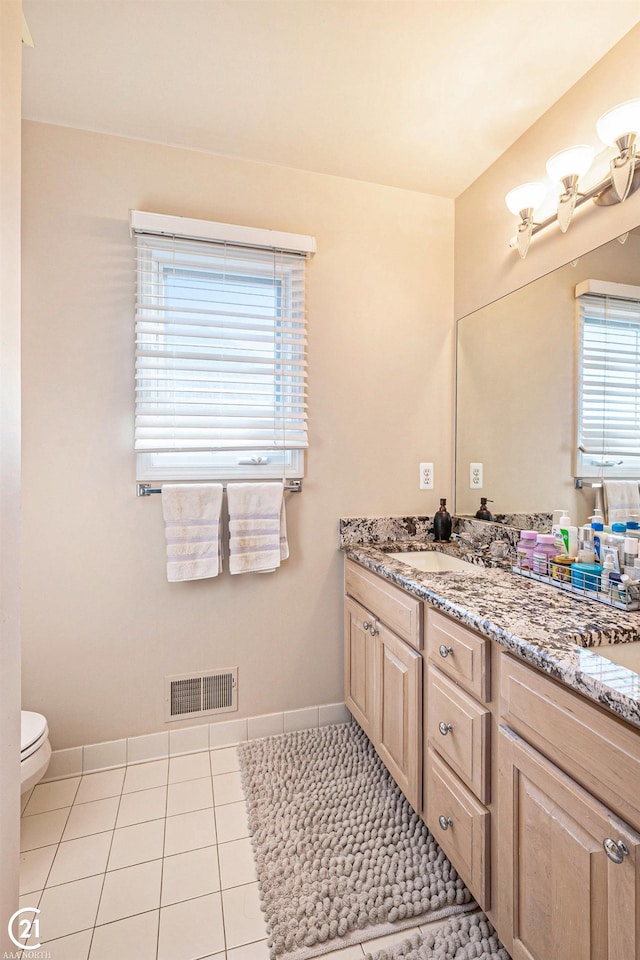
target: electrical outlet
<point>426,476</point>
<point>475,476</point>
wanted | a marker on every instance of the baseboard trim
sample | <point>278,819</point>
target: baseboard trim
<point>93,757</point>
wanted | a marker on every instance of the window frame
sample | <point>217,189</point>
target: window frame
<point>250,464</point>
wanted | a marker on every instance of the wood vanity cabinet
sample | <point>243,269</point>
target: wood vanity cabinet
<point>568,865</point>
<point>457,736</point>
<point>383,673</point>
<point>532,790</point>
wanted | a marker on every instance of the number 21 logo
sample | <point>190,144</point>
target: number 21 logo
<point>26,925</point>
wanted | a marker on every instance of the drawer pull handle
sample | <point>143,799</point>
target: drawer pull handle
<point>445,651</point>
<point>444,728</point>
<point>616,850</point>
<point>445,822</point>
<point>371,627</point>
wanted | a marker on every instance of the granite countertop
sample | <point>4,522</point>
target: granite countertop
<point>553,630</point>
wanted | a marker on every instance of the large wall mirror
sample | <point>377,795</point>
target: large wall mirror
<point>516,394</point>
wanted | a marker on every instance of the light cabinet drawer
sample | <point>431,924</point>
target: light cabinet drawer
<point>599,751</point>
<point>460,653</point>
<point>458,727</point>
<point>401,612</point>
<point>461,825</point>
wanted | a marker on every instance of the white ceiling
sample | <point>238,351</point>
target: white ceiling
<point>421,94</point>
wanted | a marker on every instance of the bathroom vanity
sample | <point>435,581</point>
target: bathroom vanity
<point>485,696</point>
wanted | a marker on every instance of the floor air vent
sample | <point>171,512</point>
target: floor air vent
<point>198,694</point>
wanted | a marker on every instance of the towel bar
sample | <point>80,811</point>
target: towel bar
<point>145,489</point>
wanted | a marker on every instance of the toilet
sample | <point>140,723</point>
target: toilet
<point>35,750</point>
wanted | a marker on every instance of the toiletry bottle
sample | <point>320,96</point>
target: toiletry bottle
<point>616,539</point>
<point>484,513</point>
<point>607,568</point>
<point>630,553</point>
<point>586,552</point>
<point>599,536</point>
<point>543,551</point>
<point>556,531</point>
<point>524,550</point>
<point>569,535</point>
<point>442,522</point>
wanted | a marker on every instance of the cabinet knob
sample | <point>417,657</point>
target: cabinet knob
<point>373,630</point>
<point>445,651</point>
<point>366,625</point>
<point>445,822</point>
<point>444,728</point>
<point>616,850</point>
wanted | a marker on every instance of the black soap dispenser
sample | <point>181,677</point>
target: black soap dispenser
<point>484,513</point>
<point>442,523</point>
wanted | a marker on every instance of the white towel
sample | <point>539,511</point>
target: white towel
<point>257,527</point>
<point>192,530</point>
<point>621,500</point>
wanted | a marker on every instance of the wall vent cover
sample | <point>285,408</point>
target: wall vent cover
<point>199,694</point>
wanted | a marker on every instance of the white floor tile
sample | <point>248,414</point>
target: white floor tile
<point>130,891</point>
<point>42,829</point>
<point>31,899</point>
<point>34,867</point>
<point>145,776</point>
<point>189,831</point>
<point>244,920</point>
<point>202,918</point>
<point>237,865</point>
<point>137,844</point>
<point>93,817</point>
<point>80,858</point>
<point>74,947</point>
<point>52,796</point>
<point>258,950</point>
<point>69,908</point>
<point>189,795</point>
<point>97,786</point>
<point>231,821</point>
<point>189,875</point>
<point>136,937</point>
<point>227,788</point>
<point>190,767</point>
<point>225,760</point>
<point>141,806</point>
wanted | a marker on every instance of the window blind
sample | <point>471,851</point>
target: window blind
<point>609,383</point>
<point>220,347</point>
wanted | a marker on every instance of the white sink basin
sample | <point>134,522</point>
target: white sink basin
<point>432,561</point>
<point>624,654</point>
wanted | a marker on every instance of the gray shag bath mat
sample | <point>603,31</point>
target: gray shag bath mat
<point>461,938</point>
<point>341,856</point>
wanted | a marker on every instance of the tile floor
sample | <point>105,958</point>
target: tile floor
<point>147,862</point>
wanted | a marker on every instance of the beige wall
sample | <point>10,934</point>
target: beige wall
<point>10,81</point>
<point>101,625</point>
<point>485,267</point>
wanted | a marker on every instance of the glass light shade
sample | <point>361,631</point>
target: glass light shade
<point>572,162</point>
<point>526,196</point>
<point>620,120</point>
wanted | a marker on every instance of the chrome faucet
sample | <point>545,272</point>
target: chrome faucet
<point>471,543</point>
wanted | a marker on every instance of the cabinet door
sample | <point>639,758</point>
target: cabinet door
<point>563,897</point>
<point>399,712</point>
<point>360,666</point>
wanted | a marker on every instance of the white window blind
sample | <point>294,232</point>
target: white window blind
<point>608,385</point>
<point>220,358</point>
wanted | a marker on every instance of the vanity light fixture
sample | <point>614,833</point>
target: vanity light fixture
<point>619,127</point>
<point>566,167</point>
<point>523,201</point>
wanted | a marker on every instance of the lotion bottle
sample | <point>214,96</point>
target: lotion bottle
<point>569,535</point>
